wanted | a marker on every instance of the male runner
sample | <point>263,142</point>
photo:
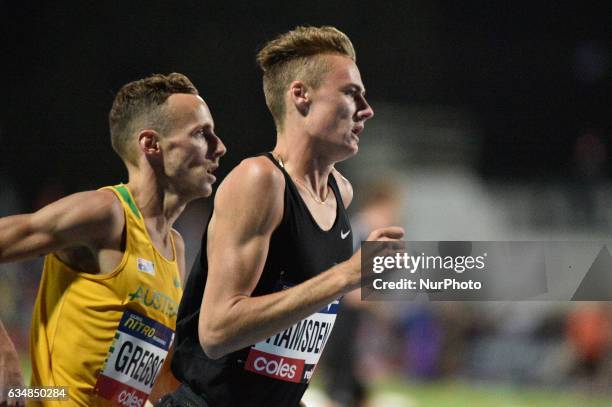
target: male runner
<point>261,300</point>
<point>108,298</point>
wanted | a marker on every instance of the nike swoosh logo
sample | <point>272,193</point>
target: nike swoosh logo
<point>344,235</point>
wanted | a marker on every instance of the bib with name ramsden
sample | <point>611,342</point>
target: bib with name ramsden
<point>277,370</point>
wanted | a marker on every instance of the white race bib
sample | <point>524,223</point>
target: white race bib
<point>292,355</point>
<point>134,360</point>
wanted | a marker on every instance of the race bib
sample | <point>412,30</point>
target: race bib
<point>292,355</point>
<point>134,360</point>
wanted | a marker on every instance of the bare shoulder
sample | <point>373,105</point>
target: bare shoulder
<point>102,204</point>
<point>104,210</point>
<point>255,179</point>
<point>96,209</point>
<point>252,193</point>
<point>90,219</point>
<point>345,187</point>
<point>259,172</point>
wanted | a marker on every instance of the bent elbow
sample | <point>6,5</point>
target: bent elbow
<point>212,345</point>
<point>211,351</point>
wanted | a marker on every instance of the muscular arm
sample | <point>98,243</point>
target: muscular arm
<point>248,208</point>
<point>84,219</point>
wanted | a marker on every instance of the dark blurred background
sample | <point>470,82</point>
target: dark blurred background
<point>536,75</point>
<point>492,123</point>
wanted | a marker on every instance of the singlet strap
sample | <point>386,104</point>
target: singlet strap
<point>127,198</point>
<point>273,159</point>
<point>334,186</point>
<point>331,181</point>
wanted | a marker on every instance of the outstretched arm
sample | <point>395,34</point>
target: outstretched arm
<point>86,219</point>
<point>248,208</point>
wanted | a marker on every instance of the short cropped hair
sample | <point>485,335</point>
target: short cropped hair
<point>295,55</point>
<point>140,105</point>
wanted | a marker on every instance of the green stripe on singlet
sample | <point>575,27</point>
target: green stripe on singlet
<point>128,199</point>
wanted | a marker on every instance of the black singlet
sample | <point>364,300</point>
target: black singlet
<point>274,372</point>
